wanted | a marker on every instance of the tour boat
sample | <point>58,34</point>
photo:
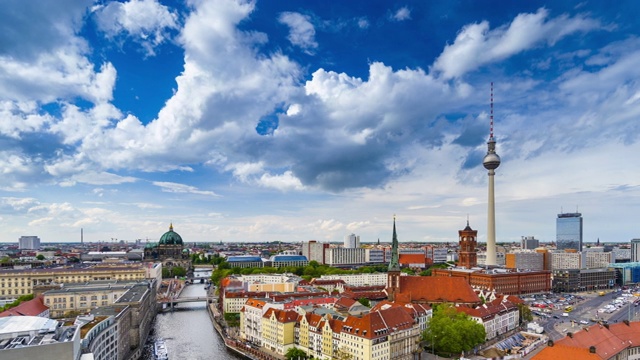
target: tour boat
<point>160,350</point>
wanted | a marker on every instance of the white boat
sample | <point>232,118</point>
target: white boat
<point>160,350</point>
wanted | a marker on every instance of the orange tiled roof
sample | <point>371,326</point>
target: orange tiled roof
<point>412,259</point>
<point>556,352</point>
<point>605,342</point>
<point>282,316</point>
<point>627,331</point>
<point>436,289</point>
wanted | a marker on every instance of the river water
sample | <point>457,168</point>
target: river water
<point>188,331</point>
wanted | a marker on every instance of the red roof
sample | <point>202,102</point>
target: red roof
<point>32,307</point>
<point>436,289</point>
<point>408,259</point>
<point>605,342</point>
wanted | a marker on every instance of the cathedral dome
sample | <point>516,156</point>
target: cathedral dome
<point>170,237</point>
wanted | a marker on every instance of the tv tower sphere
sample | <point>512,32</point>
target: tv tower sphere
<point>491,161</point>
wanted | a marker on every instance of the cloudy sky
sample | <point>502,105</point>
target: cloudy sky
<point>294,120</point>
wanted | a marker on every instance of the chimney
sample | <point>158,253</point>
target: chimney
<point>570,334</point>
<point>626,322</point>
<point>550,343</point>
<point>606,325</point>
<point>592,349</point>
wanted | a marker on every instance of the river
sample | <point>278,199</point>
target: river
<point>188,331</point>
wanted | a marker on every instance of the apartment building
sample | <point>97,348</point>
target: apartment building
<point>14,283</point>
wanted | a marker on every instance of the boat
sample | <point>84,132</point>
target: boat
<point>160,350</point>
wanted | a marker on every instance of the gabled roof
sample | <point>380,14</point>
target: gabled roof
<point>33,307</point>
<point>282,316</point>
<point>605,342</point>
<point>627,331</point>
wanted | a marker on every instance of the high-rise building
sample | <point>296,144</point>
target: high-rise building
<point>491,162</point>
<point>314,251</point>
<point>529,243</point>
<point>29,243</point>
<point>352,241</point>
<point>635,250</point>
<point>569,231</point>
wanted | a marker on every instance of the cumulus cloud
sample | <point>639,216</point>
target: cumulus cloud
<point>146,22</point>
<point>476,44</point>
<point>402,14</point>
<point>301,30</point>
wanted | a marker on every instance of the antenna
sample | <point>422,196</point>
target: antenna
<point>491,116</point>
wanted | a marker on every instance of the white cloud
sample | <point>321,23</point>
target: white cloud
<point>477,45</point>
<point>285,181</point>
<point>402,14</point>
<point>146,22</point>
<point>182,188</point>
<point>301,31</point>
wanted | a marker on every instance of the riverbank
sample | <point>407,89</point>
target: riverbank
<point>231,344</point>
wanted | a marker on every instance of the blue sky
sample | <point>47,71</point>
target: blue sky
<point>291,121</point>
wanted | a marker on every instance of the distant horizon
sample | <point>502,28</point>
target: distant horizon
<point>332,117</point>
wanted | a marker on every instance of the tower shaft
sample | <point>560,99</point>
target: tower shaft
<point>491,222</point>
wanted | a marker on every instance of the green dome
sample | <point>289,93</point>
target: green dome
<point>170,237</point>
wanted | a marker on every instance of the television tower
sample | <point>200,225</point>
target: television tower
<point>491,162</point>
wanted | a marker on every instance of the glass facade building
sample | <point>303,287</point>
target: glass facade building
<point>569,231</point>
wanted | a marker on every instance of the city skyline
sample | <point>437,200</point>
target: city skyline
<point>267,121</point>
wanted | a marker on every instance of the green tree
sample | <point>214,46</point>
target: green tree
<point>365,302</point>
<point>425,272</point>
<point>295,353</point>
<point>525,313</point>
<point>451,331</point>
<point>179,271</point>
<point>40,257</point>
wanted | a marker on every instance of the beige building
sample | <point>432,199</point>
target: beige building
<point>278,330</point>
<point>74,299</point>
<point>14,283</point>
<point>561,260</point>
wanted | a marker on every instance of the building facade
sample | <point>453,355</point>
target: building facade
<point>467,257</point>
<point>352,241</point>
<point>635,250</point>
<point>525,260</point>
<point>569,231</point>
<point>529,243</point>
<point>29,243</point>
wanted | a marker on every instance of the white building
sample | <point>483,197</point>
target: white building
<point>635,250</point>
<point>500,258</point>
<point>374,256</point>
<point>438,255</point>
<point>373,279</point>
<point>345,257</point>
<point>561,260</point>
<point>29,243</point>
<point>352,241</point>
<point>597,259</point>
<point>33,337</point>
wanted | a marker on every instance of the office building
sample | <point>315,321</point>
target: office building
<point>635,250</point>
<point>33,337</point>
<point>525,260</point>
<point>529,243</point>
<point>29,243</point>
<point>351,241</point>
<point>314,251</point>
<point>569,231</point>
<point>561,260</point>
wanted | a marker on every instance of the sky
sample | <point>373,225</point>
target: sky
<point>246,121</point>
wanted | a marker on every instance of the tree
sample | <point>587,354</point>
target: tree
<point>452,332</point>
<point>40,257</point>
<point>179,271</point>
<point>525,313</point>
<point>365,302</point>
<point>294,354</point>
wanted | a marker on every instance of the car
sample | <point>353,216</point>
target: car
<point>556,317</point>
<point>584,322</point>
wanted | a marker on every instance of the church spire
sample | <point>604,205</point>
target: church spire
<point>394,264</point>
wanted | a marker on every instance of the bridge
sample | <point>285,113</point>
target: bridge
<point>172,301</point>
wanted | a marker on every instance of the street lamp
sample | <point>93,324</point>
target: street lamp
<point>433,344</point>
